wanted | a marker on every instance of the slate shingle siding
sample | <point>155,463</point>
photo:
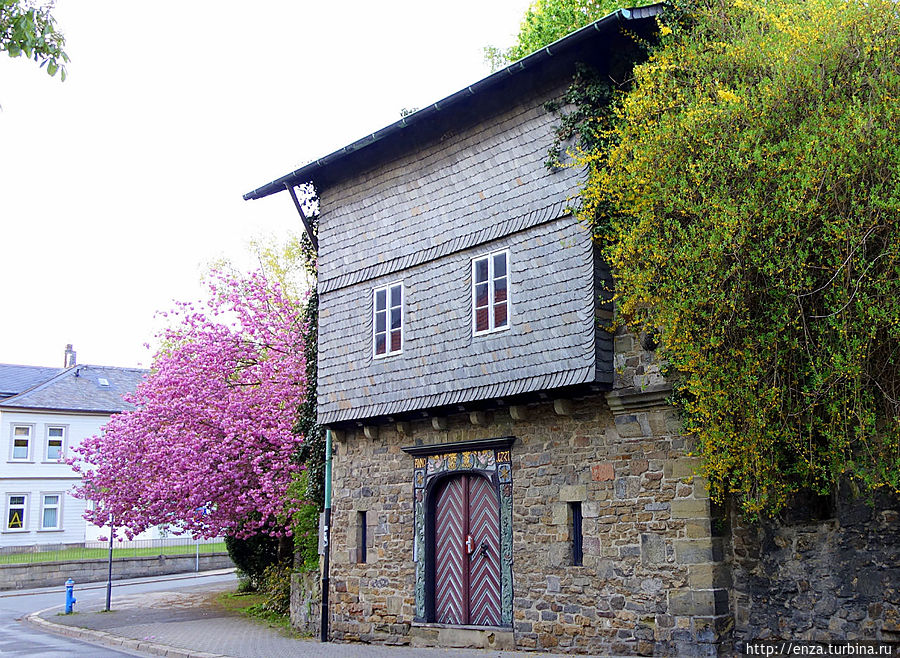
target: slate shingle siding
<point>420,219</point>
<point>455,186</point>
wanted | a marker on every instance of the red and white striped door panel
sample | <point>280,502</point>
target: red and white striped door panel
<point>467,575</point>
<point>450,584</point>
<point>484,562</point>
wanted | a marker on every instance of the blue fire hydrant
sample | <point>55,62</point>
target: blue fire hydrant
<point>70,596</point>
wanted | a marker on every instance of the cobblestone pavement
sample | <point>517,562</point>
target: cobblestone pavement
<point>186,623</point>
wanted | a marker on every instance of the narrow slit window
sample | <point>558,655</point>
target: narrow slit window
<point>387,322</point>
<point>361,537</point>
<point>577,534</point>
<point>490,292</point>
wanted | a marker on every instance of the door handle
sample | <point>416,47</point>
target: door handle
<point>470,545</point>
<point>484,549</point>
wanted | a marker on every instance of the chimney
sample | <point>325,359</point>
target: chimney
<point>70,357</point>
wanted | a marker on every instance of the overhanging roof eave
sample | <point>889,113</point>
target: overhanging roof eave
<point>308,173</point>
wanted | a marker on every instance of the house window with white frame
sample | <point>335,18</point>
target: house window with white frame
<point>490,292</point>
<point>16,504</point>
<point>21,443</point>
<point>51,507</point>
<point>387,320</point>
<point>56,443</point>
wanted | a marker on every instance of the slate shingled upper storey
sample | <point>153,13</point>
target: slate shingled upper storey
<point>416,202</point>
<point>441,196</point>
<point>428,213</point>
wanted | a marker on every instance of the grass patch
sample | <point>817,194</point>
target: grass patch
<point>250,605</point>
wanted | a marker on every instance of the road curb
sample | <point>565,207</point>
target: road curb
<point>112,640</point>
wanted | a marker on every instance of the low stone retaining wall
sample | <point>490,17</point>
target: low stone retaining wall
<point>48,574</point>
<point>306,602</point>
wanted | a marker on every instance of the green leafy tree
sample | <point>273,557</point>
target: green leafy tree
<point>749,200</point>
<point>545,21</point>
<point>28,28</point>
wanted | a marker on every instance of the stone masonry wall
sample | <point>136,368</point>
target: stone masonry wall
<point>820,579</point>
<point>651,580</point>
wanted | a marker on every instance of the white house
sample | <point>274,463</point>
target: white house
<point>44,413</point>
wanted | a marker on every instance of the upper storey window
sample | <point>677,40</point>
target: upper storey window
<point>21,443</point>
<point>388,320</point>
<point>490,292</point>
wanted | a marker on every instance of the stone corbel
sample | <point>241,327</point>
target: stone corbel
<point>632,399</point>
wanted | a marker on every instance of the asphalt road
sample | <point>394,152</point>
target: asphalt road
<point>20,639</point>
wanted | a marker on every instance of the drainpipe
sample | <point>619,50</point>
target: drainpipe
<point>326,536</point>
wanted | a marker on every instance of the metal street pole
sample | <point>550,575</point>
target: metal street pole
<point>112,532</point>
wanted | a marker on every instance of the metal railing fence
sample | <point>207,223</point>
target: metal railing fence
<point>100,550</point>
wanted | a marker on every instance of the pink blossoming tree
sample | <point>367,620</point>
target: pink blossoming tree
<point>210,448</point>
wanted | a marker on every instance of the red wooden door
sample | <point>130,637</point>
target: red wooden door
<point>467,552</point>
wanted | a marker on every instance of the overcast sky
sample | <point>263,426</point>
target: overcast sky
<point>120,186</point>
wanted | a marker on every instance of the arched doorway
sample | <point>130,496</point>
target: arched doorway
<point>465,534</point>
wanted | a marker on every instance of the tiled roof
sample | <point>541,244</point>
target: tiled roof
<point>15,379</point>
<point>81,388</point>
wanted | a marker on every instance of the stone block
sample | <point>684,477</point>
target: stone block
<point>552,583</point>
<point>698,528</point>
<point>683,467</point>
<point>698,551</point>
<point>709,576</point>
<point>624,344</point>
<point>633,426</point>
<point>690,509</point>
<point>638,466</point>
<point>692,603</point>
<point>560,514</point>
<point>461,638</point>
<point>653,549</point>
<point>573,492</point>
<point>627,487</point>
<point>602,472</point>
<point>562,407</point>
<point>518,412</point>
<point>701,487</point>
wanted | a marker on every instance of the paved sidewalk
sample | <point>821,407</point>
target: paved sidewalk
<point>186,623</point>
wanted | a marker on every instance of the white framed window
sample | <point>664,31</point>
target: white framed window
<point>51,511</point>
<point>490,292</point>
<point>55,448</point>
<point>20,443</point>
<point>16,508</point>
<point>387,320</point>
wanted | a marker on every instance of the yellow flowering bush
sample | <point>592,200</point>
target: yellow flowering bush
<point>748,198</point>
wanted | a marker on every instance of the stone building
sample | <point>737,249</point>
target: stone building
<point>507,473</point>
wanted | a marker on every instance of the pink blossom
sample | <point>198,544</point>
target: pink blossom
<point>210,448</point>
